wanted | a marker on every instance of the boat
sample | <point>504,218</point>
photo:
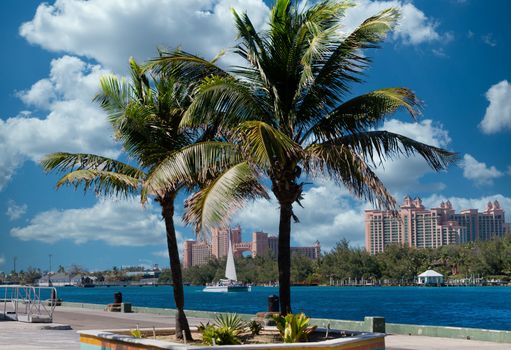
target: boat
<point>230,283</point>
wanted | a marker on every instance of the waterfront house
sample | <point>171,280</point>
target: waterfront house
<point>430,278</point>
<point>62,279</point>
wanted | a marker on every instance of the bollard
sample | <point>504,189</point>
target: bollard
<point>118,298</point>
<point>273,303</point>
<point>375,324</point>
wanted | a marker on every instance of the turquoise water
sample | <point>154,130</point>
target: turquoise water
<point>477,307</point>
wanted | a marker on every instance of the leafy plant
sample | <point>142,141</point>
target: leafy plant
<point>255,327</point>
<point>136,333</point>
<point>231,321</point>
<point>214,335</point>
<point>293,328</point>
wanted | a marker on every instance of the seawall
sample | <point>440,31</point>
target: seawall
<point>369,324</point>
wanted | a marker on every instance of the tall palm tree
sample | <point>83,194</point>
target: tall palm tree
<point>289,110</point>
<point>145,114</point>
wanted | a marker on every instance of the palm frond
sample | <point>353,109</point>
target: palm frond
<point>387,145</point>
<point>190,166</point>
<point>214,204</point>
<point>346,168</point>
<point>104,182</point>
<point>185,66</point>
<point>62,162</point>
<point>114,96</point>
<point>265,145</point>
<point>344,65</point>
<point>363,112</point>
<point>222,100</point>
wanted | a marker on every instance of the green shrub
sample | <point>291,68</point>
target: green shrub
<point>231,321</point>
<point>293,328</point>
<point>225,331</point>
<point>213,335</point>
<point>136,333</point>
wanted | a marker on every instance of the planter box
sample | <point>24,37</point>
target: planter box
<point>119,340</point>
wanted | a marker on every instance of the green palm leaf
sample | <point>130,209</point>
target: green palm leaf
<point>363,112</point>
<point>213,204</point>
<point>265,145</point>
<point>222,100</point>
<point>62,161</point>
<point>346,168</point>
<point>385,144</point>
<point>190,166</point>
<point>104,182</point>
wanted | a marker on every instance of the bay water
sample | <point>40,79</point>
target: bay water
<point>476,307</point>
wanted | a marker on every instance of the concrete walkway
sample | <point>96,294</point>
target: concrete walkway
<point>18,335</point>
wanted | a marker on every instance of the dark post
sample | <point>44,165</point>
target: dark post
<point>118,298</point>
<point>273,303</point>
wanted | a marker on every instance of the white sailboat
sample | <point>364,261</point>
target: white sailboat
<point>230,283</point>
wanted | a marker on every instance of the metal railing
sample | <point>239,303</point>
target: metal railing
<point>28,303</point>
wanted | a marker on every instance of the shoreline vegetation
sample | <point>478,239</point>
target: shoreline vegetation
<point>483,263</point>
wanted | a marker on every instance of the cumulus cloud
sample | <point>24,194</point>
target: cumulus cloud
<point>72,123</point>
<point>328,215</point>
<point>112,31</point>
<point>15,211</point>
<point>479,172</point>
<point>414,26</point>
<point>498,113</point>
<point>115,222</point>
<point>404,174</point>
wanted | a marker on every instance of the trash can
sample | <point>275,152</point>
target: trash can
<point>118,298</point>
<point>273,303</point>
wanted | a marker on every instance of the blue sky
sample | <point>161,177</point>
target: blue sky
<point>454,54</point>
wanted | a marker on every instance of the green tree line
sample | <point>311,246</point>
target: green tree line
<point>485,259</point>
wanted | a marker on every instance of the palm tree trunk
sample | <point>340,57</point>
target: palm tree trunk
<point>182,327</point>
<point>284,257</point>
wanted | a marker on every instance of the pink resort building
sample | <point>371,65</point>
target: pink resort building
<point>415,226</point>
<point>199,252</point>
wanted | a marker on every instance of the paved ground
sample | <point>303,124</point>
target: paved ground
<point>28,336</point>
<point>406,342</point>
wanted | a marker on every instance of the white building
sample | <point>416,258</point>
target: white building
<point>430,277</point>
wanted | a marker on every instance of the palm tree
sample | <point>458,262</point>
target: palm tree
<point>145,114</point>
<point>289,110</point>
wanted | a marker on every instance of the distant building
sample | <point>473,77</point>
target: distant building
<point>313,252</point>
<point>62,279</point>
<point>415,226</point>
<point>199,252</point>
<point>431,278</point>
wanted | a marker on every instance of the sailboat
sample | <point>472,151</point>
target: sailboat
<point>230,283</point>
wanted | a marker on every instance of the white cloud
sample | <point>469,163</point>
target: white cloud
<point>489,40</point>
<point>414,26</point>
<point>329,214</point>
<point>498,114</point>
<point>404,174</point>
<point>73,122</point>
<point>162,253</point>
<point>15,211</point>
<point>2,260</point>
<point>112,31</point>
<point>479,172</point>
<point>115,222</point>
